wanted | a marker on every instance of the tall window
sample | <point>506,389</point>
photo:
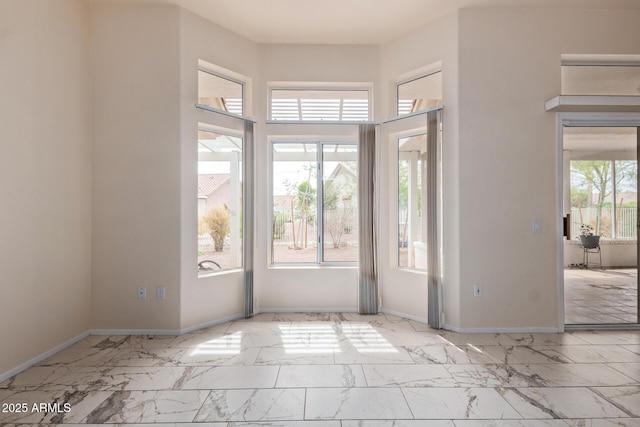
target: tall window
<point>412,251</point>
<point>419,94</point>
<point>220,172</point>
<point>314,200</point>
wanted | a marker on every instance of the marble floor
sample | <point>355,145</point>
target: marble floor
<point>595,296</point>
<point>334,370</point>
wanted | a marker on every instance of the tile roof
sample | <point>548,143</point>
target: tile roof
<point>210,182</point>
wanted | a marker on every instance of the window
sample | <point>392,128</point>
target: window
<point>220,93</point>
<point>220,172</point>
<point>319,105</point>
<point>411,234</point>
<point>419,94</point>
<point>603,180</point>
<point>314,202</point>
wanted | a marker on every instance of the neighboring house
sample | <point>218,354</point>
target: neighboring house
<point>214,190</point>
<point>344,175</point>
<point>621,197</point>
<point>282,203</point>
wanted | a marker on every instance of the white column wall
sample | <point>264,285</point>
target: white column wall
<point>136,172</point>
<point>217,297</point>
<point>405,292</point>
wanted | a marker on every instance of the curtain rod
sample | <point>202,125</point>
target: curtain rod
<point>417,113</point>
<point>225,113</point>
<point>319,122</point>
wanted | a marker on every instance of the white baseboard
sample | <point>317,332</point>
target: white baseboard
<point>6,375</point>
<point>405,316</point>
<point>165,331</point>
<point>211,323</point>
<point>134,332</point>
<point>306,310</point>
<point>524,330</point>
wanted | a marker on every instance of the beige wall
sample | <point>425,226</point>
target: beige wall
<point>509,65</point>
<point>217,297</point>
<point>136,169</point>
<point>403,291</point>
<point>45,171</point>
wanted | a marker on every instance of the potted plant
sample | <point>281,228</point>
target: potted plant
<point>587,238</point>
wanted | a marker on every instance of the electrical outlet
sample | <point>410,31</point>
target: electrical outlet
<point>477,290</point>
<point>142,292</point>
<point>160,292</point>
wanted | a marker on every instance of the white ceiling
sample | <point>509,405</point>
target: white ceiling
<point>346,21</point>
<point>592,142</point>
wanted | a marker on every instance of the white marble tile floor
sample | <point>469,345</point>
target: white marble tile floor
<point>333,370</point>
<point>600,296</point>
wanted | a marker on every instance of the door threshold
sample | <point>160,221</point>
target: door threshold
<point>603,327</point>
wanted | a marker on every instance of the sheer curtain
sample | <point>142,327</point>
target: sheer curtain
<point>367,269</point>
<point>247,217</point>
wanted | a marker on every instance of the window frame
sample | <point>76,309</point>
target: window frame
<point>225,131</point>
<point>397,138</point>
<point>335,87</point>
<point>409,80</point>
<point>319,142</point>
<point>220,75</point>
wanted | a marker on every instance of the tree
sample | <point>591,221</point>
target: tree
<point>306,201</point>
<point>595,176</point>
<point>338,216</point>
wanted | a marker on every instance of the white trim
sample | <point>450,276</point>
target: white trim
<point>10,373</point>
<point>134,332</point>
<point>593,103</point>
<point>306,310</point>
<point>321,122</point>
<point>516,330</point>
<point>416,113</point>
<point>559,226</point>
<point>405,316</point>
<point>603,327</point>
<point>166,331</point>
<point>211,323</point>
<point>225,113</point>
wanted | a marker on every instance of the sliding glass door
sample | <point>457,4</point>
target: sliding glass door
<point>601,207</point>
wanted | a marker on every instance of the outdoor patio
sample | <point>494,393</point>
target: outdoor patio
<point>594,296</point>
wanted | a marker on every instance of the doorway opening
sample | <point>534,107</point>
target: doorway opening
<point>600,206</point>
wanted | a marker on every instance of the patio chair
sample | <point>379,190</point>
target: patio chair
<point>202,265</point>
